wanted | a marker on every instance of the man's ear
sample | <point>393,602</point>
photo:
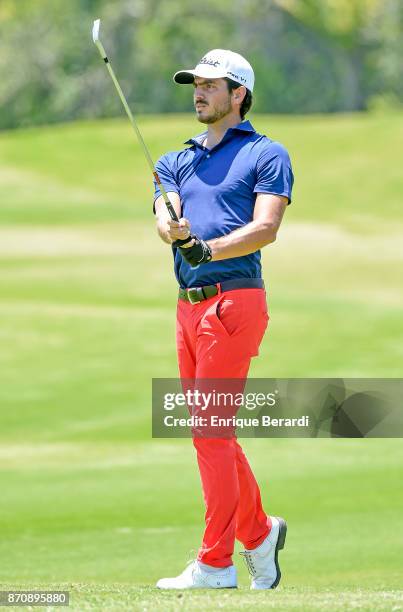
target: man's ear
<point>239,94</point>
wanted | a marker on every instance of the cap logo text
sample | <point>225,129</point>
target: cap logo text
<point>210,62</point>
<point>237,77</point>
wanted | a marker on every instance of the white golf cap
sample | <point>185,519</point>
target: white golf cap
<point>218,64</point>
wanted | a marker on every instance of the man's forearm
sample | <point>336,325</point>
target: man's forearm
<point>242,241</point>
<point>163,216</point>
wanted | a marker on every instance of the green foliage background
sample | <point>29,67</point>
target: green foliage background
<point>309,55</point>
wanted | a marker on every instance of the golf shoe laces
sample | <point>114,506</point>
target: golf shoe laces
<point>248,557</point>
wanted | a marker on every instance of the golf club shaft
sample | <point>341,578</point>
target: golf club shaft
<point>164,194</point>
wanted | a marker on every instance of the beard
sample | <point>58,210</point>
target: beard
<point>207,115</point>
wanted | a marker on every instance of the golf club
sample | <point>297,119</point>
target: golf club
<point>95,37</point>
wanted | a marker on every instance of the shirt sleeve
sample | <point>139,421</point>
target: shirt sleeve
<point>274,171</point>
<point>167,177</point>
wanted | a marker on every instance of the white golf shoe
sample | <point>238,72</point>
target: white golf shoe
<point>200,576</point>
<point>262,561</point>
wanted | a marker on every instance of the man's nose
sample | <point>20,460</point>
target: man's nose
<point>198,94</point>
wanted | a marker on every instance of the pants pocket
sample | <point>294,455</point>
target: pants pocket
<point>228,315</point>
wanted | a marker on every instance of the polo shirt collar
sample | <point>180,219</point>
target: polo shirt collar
<point>244,126</point>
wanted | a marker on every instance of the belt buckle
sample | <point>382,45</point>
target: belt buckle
<point>190,298</point>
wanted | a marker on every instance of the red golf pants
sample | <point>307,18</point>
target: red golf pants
<point>217,339</point>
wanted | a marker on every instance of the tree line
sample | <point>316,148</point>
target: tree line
<point>309,56</point>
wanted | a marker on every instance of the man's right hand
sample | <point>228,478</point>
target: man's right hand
<point>178,230</point>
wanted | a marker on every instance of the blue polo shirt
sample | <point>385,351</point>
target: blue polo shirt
<point>218,188</point>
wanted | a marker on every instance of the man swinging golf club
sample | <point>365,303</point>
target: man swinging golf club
<point>229,188</point>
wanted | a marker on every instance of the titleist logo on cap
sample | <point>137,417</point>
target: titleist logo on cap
<point>206,60</point>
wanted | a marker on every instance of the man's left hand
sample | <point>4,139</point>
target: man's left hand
<point>198,253</point>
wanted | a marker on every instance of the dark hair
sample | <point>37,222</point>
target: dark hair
<point>246,102</point>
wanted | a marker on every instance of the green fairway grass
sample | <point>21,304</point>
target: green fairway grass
<point>89,501</point>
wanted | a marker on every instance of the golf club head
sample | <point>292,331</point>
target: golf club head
<point>95,30</point>
<point>95,37</point>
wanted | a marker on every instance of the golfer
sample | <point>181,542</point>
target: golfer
<point>230,187</point>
